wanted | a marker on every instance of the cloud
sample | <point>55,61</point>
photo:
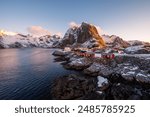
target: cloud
<point>73,24</point>
<point>38,31</point>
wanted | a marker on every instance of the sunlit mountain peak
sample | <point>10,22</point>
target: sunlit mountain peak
<point>3,32</point>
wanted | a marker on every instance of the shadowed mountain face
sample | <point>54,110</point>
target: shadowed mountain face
<point>86,35</point>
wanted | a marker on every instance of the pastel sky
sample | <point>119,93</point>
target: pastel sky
<point>129,19</point>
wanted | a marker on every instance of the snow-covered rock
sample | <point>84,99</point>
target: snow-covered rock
<point>93,69</point>
<point>59,53</point>
<point>128,76</point>
<point>137,50</point>
<point>79,63</point>
<point>143,78</point>
<point>102,83</point>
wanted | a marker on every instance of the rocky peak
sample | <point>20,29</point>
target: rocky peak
<point>115,41</point>
<point>84,33</point>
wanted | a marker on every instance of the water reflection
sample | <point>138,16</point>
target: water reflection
<point>28,73</point>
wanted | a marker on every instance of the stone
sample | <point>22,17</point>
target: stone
<point>128,76</point>
<point>142,78</point>
<point>59,53</point>
<point>93,70</point>
<point>102,83</point>
<point>79,64</point>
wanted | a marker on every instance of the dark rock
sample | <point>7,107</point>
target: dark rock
<point>72,87</point>
<point>128,76</point>
<point>16,45</point>
<point>93,70</point>
<point>97,95</point>
<point>105,71</point>
<point>120,91</point>
<point>142,78</point>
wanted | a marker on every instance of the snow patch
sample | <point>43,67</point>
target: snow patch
<point>134,48</point>
<point>101,81</point>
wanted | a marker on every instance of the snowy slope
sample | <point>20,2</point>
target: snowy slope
<point>19,40</point>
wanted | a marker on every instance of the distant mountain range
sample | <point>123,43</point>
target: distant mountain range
<point>85,36</point>
<point>24,41</point>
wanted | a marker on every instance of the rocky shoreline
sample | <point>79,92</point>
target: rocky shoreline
<point>124,77</point>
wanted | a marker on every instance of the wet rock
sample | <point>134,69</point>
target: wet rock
<point>59,59</point>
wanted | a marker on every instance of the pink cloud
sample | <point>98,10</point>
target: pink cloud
<point>38,31</point>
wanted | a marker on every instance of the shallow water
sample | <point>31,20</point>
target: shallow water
<point>28,73</point>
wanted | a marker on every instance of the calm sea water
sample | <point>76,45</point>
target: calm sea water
<point>28,73</point>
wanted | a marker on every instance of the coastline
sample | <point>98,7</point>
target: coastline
<point>127,77</point>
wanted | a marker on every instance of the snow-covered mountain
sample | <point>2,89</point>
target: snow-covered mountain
<point>85,35</point>
<point>20,40</point>
<point>115,41</point>
<point>137,43</point>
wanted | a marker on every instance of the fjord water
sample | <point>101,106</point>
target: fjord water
<point>28,73</point>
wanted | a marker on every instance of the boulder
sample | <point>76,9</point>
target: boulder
<point>143,78</point>
<point>102,83</point>
<point>93,70</point>
<point>105,71</point>
<point>59,53</point>
<point>79,64</point>
<point>129,76</point>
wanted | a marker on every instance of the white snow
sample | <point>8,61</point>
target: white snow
<point>99,92</point>
<point>129,73</point>
<point>142,75</point>
<point>107,38</point>
<point>77,61</point>
<point>101,81</point>
<point>26,40</point>
<point>134,48</point>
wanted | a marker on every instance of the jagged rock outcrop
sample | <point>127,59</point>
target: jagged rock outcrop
<point>86,35</point>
